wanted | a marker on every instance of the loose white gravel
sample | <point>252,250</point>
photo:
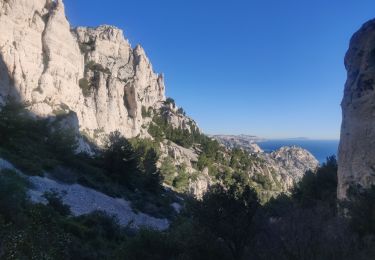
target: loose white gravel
<point>83,200</point>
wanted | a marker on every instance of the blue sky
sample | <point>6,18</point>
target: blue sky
<point>265,67</point>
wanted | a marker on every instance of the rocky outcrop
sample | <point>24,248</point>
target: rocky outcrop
<point>357,145</point>
<point>246,142</point>
<point>199,186</point>
<point>291,164</point>
<point>177,118</point>
<point>179,154</point>
<point>284,167</point>
<point>93,72</point>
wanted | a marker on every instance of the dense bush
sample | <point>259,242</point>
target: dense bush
<point>229,214</point>
<point>319,186</point>
<point>361,209</point>
<point>84,84</point>
<point>146,112</point>
<point>131,168</point>
<point>160,129</point>
<point>33,145</point>
<point>120,160</point>
<point>170,101</point>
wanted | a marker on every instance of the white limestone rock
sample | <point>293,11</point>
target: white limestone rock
<point>82,200</point>
<point>43,62</point>
<point>291,164</point>
<point>246,142</point>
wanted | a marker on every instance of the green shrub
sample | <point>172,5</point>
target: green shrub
<point>319,186</point>
<point>181,181</point>
<point>120,160</point>
<point>55,201</point>
<point>91,65</point>
<point>361,210</point>
<point>170,101</point>
<point>84,84</point>
<point>146,112</point>
<point>168,170</point>
<point>228,214</point>
<point>13,189</point>
<point>181,111</point>
<point>148,244</point>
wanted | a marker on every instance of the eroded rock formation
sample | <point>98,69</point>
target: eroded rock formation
<point>93,72</point>
<point>357,145</point>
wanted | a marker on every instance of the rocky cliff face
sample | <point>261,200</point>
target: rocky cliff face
<point>357,145</point>
<point>93,72</point>
<point>246,142</point>
<point>291,163</point>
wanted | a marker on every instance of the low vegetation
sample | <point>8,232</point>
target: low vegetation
<point>160,129</point>
<point>232,221</point>
<point>39,146</point>
<point>84,84</point>
<point>228,223</point>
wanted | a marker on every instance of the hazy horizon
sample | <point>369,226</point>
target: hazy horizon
<point>268,68</point>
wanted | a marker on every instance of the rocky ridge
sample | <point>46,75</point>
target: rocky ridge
<point>285,166</point>
<point>246,142</point>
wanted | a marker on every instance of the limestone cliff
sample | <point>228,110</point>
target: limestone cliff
<point>93,72</point>
<point>357,145</point>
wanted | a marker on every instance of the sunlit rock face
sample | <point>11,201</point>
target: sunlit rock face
<point>93,72</point>
<point>292,163</point>
<point>357,145</point>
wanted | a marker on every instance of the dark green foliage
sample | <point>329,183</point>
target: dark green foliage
<point>94,236</point>
<point>229,223</point>
<point>168,171</point>
<point>152,177</point>
<point>176,177</point>
<point>96,67</point>
<point>228,214</point>
<point>12,195</point>
<point>181,111</point>
<point>33,145</point>
<point>146,112</point>
<point>160,129</point>
<point>120,160</point>
<point>27,231</point>
<point>181,181</point>
<point>132,168</point>
<point>361,209</point>
<point>84,84</point>
<point>148,244</point>
<point>156,132</point>
<point>319,186</point>
<point>55,201</point>
<point>170,101</point>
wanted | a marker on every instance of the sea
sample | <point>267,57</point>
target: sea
<point>321,149</point>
